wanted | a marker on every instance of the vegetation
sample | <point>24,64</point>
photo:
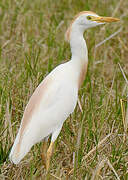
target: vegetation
<point>90,145</point>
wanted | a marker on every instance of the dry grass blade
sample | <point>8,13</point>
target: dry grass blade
<point>100,165</point>
<point>6,43</point>
<point>108,38</point>
<point>110,92</point>
<point>124,115</point>
<point>124,46</point>
<point>125,119</point>
<point>112,168</point>
<point>78,146</point>
<point>123,112</point>
<point>98,146</point>
<point>79,104</point>
<point>55,176</point>
<point>127,114</point>
<point>123,73</point>
<point>117,8</point>
<point>98,168</point>
<point>8,121</point>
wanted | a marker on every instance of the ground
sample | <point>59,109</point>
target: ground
<point>91,144</point>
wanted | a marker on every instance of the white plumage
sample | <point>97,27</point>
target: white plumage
<point>56,97</point>
<point>58,100</point>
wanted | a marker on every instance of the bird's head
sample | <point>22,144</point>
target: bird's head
<point>87,19</point>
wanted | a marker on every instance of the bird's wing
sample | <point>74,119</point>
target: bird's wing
<point>41,92</point>
<point>54,94</point>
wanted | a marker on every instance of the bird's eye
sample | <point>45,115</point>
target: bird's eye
<point>89,17</point>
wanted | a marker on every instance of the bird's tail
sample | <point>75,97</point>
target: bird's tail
<point>20,148</point>
<point>25,140</point>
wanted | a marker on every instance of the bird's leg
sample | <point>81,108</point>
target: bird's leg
<point>49,154</point>
<point>43,154</point>
<point>49,151</point>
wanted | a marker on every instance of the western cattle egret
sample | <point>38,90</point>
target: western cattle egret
<point>56,97</point>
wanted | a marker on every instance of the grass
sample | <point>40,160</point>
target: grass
<point>31,45</point>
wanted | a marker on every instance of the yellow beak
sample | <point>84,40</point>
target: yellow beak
<point>105,19</point>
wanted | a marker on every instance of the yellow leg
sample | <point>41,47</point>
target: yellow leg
<point>44,150</point>
<point>49,154</point>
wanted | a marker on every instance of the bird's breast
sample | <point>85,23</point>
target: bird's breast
<point>82,74</point>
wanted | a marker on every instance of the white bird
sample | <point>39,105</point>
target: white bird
<point>56,97</point>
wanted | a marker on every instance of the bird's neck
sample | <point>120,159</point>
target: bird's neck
<point>78,45</point>
<point>79,54</point>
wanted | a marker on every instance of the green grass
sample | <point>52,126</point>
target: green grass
<point>31,45</point>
